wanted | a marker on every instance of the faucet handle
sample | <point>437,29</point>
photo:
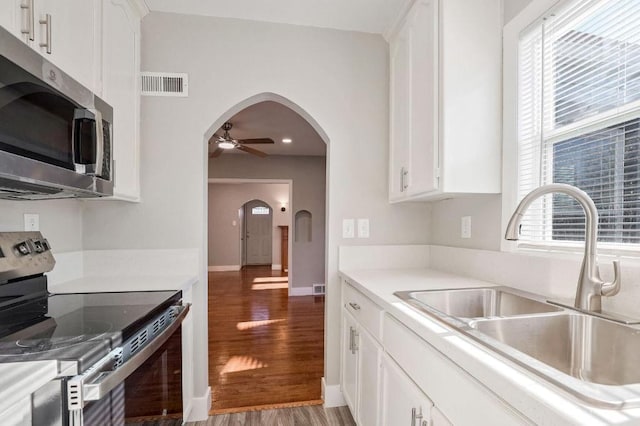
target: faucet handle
<point>612,288</point>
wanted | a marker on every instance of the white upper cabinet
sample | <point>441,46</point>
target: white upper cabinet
<point>65,32</point>
<point>121,90</point>
<point>445,91</point>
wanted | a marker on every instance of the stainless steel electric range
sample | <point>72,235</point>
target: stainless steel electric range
<point>118,354</point>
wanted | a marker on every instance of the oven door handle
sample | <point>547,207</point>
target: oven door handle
<point>105,375</point>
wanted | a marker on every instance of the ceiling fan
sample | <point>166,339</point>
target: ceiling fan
<point>226,142</point>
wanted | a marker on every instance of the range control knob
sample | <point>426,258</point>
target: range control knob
<point>26,247</point>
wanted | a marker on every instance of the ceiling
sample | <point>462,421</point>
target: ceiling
<point>370,16</point>
<point>276,121</point>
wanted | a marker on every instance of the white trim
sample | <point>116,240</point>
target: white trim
<point>332,395</point>
<point>300,291</point>
<point>222,268</point>
<point>276,267</point>
<point>200,407</point>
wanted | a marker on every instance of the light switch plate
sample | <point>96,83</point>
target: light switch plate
<point>348,228</point>
<point>363,228</point>
<point>465,227</point>
<point>31,222</point>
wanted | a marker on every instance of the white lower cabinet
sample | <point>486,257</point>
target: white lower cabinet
<point>402,402</point>
<point>360,371</point>
<point>391,376</point>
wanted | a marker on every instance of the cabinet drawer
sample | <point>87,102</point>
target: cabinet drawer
<point>457,394</point>
<point>367,313</point>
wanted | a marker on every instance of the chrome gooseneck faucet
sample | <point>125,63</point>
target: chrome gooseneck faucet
<point>591,288</point>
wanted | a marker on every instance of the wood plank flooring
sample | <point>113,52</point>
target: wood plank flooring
<point>264,347</point>
<point>299,416</point>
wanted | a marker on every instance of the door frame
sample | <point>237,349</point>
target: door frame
<point>290,240</point>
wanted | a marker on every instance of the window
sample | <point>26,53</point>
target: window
<point>579,119</point>
<point>260,210</point>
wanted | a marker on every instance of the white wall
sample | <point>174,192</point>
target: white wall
<point>339,78</point>
<point>60,220</point>
<point>224,202</point>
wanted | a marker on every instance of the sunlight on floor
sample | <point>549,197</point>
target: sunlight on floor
<point>271,280</point>
<point>269,286</point>
<point>246,325</point>
<point>241,363</point>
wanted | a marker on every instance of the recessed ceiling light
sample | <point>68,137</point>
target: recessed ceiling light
<point>287,140</point>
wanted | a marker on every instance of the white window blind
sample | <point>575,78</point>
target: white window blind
<point>579,119</point>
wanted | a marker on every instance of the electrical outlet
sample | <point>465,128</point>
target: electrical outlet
<point>465,227</point>
<point>31,222</point>
<point>363,228</point>
<point>348,228</point>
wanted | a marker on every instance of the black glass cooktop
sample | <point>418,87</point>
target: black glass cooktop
<point>64,326</point>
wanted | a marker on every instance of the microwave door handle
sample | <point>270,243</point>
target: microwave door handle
<point>99,143</point>
<point>101,378</point>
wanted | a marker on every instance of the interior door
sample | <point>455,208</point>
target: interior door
<point>258,218</point>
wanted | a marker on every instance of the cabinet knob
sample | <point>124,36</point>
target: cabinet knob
<point>355,306</point>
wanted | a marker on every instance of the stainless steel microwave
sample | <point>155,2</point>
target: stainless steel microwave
<point>55,134</point>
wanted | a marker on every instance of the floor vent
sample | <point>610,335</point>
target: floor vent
<point>164,84</point>
<point>317,289</point>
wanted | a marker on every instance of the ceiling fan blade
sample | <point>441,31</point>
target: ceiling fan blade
<point>258,140</point>
<point>216,153</point>
<point>251,151</point>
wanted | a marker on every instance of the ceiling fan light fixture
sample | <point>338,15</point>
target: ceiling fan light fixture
<point>226,145</point>
<point>287,140</point>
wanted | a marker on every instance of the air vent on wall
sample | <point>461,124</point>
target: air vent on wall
<point>164,84</point>
<point>317,289</point>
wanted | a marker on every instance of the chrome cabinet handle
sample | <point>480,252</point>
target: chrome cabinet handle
<point>351,339</point>
<point>47,23</point>
<point>413,417</point>
<point>355,306</point>
<point>403,179</point>
<point>29,31</point>
<point>419,417</point>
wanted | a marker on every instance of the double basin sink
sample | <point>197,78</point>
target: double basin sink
<point>594,359</point>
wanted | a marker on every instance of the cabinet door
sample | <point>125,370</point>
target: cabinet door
<point>422,25</point>
<point>402,401</point>
<point>73,37</point>
<point>11,17</point>
<point>439,419</point>
<point>399,111</point>
<point>121,32</point>
<point>369,353</point>
<point>349,364</point>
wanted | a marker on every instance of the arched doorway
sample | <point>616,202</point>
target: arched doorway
<point>287,331</point>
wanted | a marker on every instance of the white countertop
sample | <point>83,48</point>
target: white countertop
<point>94,284</point>
<point>20,379</point>
<point>534,397</point>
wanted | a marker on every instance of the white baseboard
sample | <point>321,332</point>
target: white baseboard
<point>200,407</point>
<point>221,268</point>
<point>332,396</point>
<point>275,267</point>
<point>300,291</point>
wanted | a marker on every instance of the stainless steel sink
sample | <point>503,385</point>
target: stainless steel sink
<point>478,302</point>
<point>594,359</point>
<point>585,347</point>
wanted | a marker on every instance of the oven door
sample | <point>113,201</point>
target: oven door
<point>146,386</point>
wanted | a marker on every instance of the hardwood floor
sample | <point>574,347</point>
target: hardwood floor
<point>299,416</point>
<point>264,347</point>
